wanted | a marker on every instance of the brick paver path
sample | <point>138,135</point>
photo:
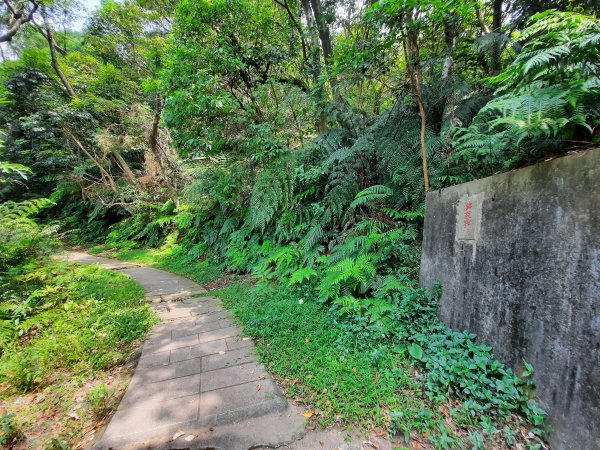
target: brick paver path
<point>197,383</point>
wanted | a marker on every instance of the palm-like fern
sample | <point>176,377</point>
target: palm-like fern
<point>371,194</point>
<point>558,47</point>
<point>272,192</point>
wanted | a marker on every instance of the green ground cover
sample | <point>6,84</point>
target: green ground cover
<point>67,332</point>
<point>446,392</point>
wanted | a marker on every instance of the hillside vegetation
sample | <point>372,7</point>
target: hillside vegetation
<point>287,147</point>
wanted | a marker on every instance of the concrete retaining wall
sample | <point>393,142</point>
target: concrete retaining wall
<point>518,255</point>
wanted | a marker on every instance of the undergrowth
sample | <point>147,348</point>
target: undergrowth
<point>446,390</point>
<point>72,326</point>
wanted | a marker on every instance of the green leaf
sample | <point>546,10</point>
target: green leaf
<point>415,351</point>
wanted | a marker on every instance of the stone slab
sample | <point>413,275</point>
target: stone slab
<point>224,323</point>
<point>196,328</point>
<point>218,334</point>
<point>213,316</point>
<point>195,351</point>
<point>154,359</point>
<point>152,415</point>
<point>195,299</point>
<point>237,342</point>
<point>231,376</point>
<point>143,392</point>
<point>168,371</point>
<point>235,398</point>
<point>162,344</point>
<point>227,359</point>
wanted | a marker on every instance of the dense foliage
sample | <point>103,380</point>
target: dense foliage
<point>295,140</point>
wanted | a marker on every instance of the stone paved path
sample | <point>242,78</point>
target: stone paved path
<point>197,383</point>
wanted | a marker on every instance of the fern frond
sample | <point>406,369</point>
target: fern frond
<point>13,169</point>
<point>370,194</point>
<point>20,210</point>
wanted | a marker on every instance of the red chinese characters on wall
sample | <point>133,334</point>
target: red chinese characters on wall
<point>467,214</point>
<point>468,217</point>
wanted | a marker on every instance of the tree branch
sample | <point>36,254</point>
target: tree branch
<point>17,21</point>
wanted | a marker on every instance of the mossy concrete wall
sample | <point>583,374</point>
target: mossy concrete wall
<point>518,255</point>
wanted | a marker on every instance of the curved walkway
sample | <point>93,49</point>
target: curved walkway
<point>197,383</point>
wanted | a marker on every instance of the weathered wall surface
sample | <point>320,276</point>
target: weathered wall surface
<point>518,255</point>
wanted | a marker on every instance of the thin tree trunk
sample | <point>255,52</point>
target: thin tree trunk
<point>423,148</point>
<point>54,57</point>
<point>414,73</point>
<point>315,66</point>
<point>450,37</point>
<point>105,175</point>
<point>284,4</point>
<point>323,29</point>
<point>496,65</point>
<point>481,19</point>
<point>307,10</point>
<point>450,32</point>
<point>124,166</point>
<point>155,123</point>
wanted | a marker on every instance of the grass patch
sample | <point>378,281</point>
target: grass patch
<point>75,328</point>
<point>171,257</point>
<point>347,377</point>
<point>299,341</point>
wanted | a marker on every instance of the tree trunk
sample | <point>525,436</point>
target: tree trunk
<point>450,32</point>
<point>54,57</point>
<point>481,20</point>
<point>315,66</point>
<point>450,37</point>
<point>323,29</point>
<point>496,65</point>
<point>124,166</point>
<point>155,147</point>
<point>307,10</point>
<point>155,123</point>
<point>413,66</point>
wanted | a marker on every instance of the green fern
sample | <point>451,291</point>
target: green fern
<point>12,169</point>
<point>348,276</point>
<point>272,193</point>
<point>370,195</point>
<point>548,95</point>
<point>10,211</point>
<point>301,275</point>
<point>8,334</point>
